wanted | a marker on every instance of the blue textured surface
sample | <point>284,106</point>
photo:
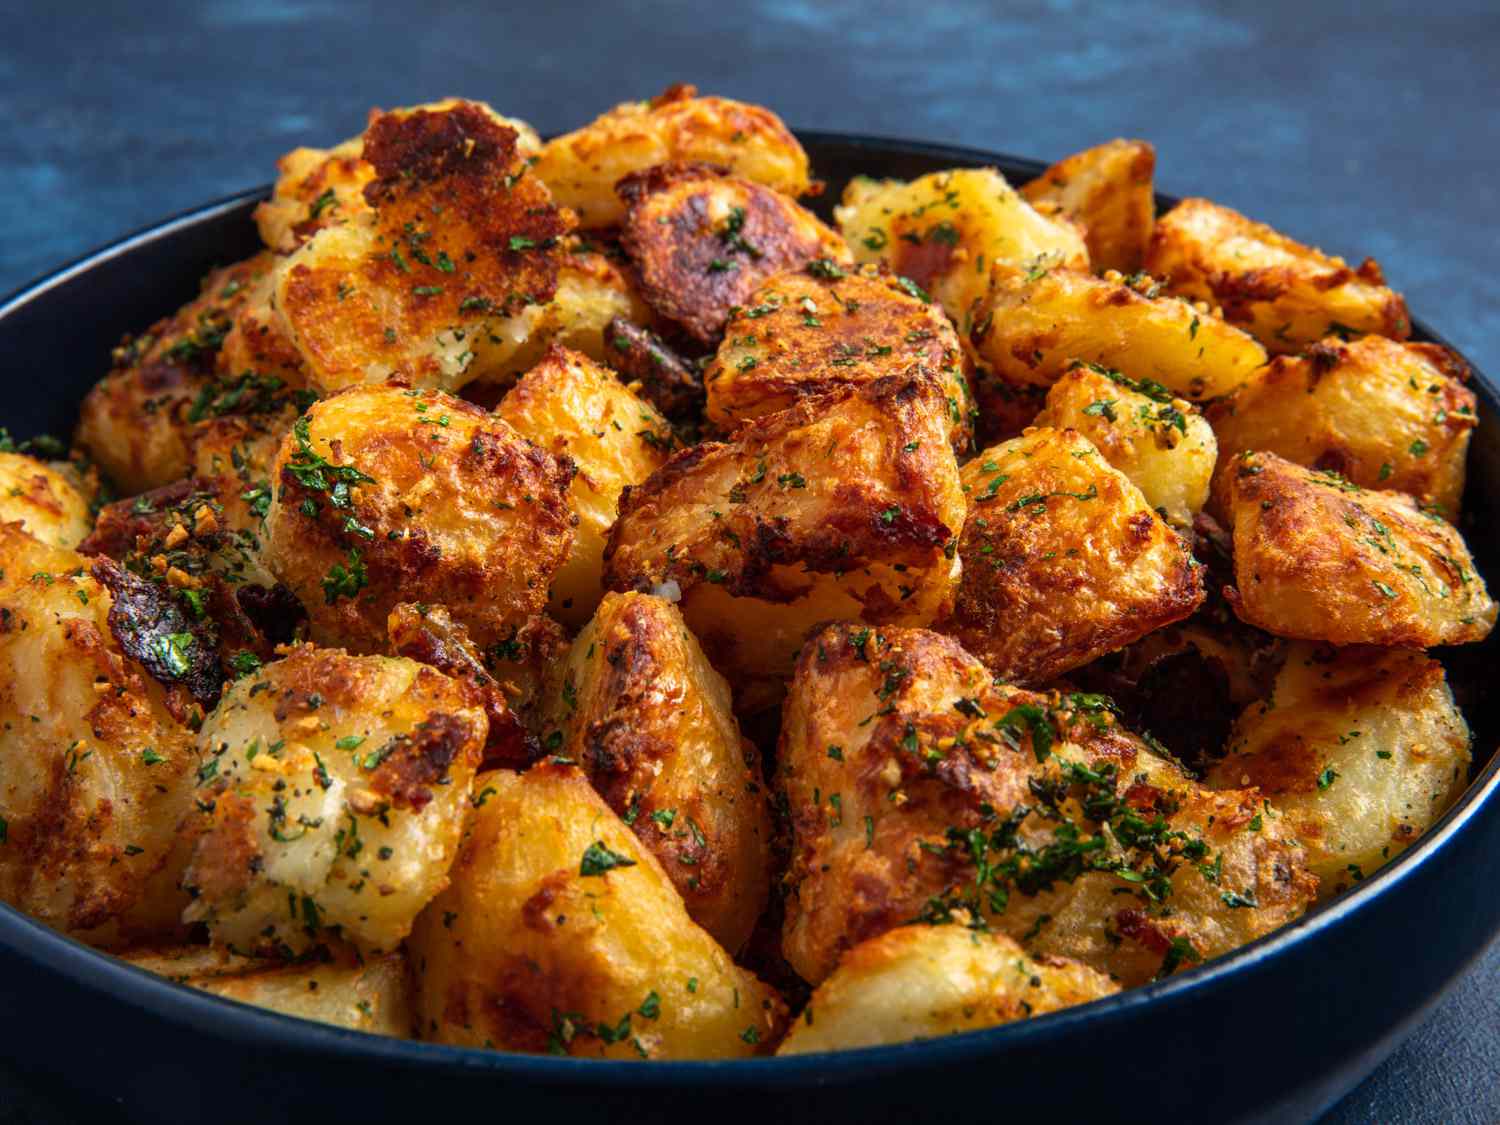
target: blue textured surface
<point>1368,128</point>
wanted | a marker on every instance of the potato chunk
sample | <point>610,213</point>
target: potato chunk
<point>1033,325</point>
<point>1286,294</point>
<point>809,330</point>
<point>704,241</point>
<point>576,409</point>
<point>95,770</point>
<point>44,499</point>
<point>339,987</point>
<point>637,705</point>
<point>946,229</point>
<point>919,982</point>
<point>333,791</point>
<point>560,932</point>
<point>919,789</point>
<point>1107,188</point>
<point>384,495</point>
<point>1063,559</point>
<point>843,506</point>
<point>458,237</point>
<point>1361,749</point>
<point>1383,414</point>
<point>582,167</point>
<point>1161,443</point>
<point>1322,559</point>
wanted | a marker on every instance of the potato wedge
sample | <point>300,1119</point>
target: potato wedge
<point>1319,558</point>
<point>44,499</point>
<point>637,705</point>
<point>560,932</point>
<point>1285,294</point>
<point>1108,189</point>
<point>1382,414</point>
<point>581,168</point>
<point>578,411</point>
<point>1034,324</point>
<point>1063,559</point>
<point>920,982</point>
<point>919,789</point>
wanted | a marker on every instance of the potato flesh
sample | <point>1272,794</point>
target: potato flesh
<point>543,943</point>
<point>44,499</point>
<point>1108,189</point>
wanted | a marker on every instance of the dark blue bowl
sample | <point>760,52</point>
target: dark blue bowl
<point>1280,1029</point>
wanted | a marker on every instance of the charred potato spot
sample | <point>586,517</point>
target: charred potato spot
<point>1108,189</point>
<point>669,381</point>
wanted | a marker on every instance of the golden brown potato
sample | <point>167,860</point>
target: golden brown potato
<point>1383,414</point>
<point>44,499</point>
<point>1108,189</point>
<point>638,707</point>
<point>704,241</point>
<point>1322,559</point>
<point>96,771</point>
<point>560,932</point>
<point>1160,442</point>
<point>256,344</point>
<point>844,506</point>
<point>1034,324</point>
<point>384,495</point>
<point>920,789</point>
<point>582,167</point>
<point>1361,749</point>
<point>336,986</point>
<point>233,457</point>
<point>809,330</point>
<point>576,409</point>
<point>331,793</point>
<point>1063,559</point>
<point>919,982</point>
<point>945,230</point>
<point>1286,294</point>
<point>458,237</point>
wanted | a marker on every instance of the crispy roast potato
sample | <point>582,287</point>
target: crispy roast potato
<point>844,506</point>
<point>1107,188</point>
<point>920,982</point>
<point>806,331</point>
<point>256,344</point>
<point>331,793</point>
<point>920,789</point>
<point>1322,559</point>
<point>945,230</point>
<point>704,241</point>
<point>1382,414</point>
<point>1286,294</point>
<point>384,495</point>
<point>1063,559</point>
<point>1159,441</point>
<point>1034,324</point>
<point>96,770</point>
<point>45,499</point>
<point>1361,748</point>
<point>458,237</point>
<point>582,167</point>
<point>638,707</point>
<point>578,411</point>
<point>335,985</point>
<point>560,932</point>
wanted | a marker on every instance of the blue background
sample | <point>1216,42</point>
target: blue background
<point>1367,128</point>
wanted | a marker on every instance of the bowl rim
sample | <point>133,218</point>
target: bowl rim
<point>32,941</point>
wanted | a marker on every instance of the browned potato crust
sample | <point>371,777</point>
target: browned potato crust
<point>582,167</point>
<point>638,707</point>
<point>920,789</point>
<point>1320,558</point>
<point>257,344</point>
<point>808,330</point>
<point>384,495</point>
<point>1286,294</point>
<point>1063,559</point>
<point>669,381</point>
<point>1383,414</point>
<point>560,932</point>
<point>704,241</point>
<point>1034,324</point>
<point>1108,189</point>
<point>46,500</point>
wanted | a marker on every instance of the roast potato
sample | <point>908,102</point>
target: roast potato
<point>1108,190</point>
<point>45,499</point>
